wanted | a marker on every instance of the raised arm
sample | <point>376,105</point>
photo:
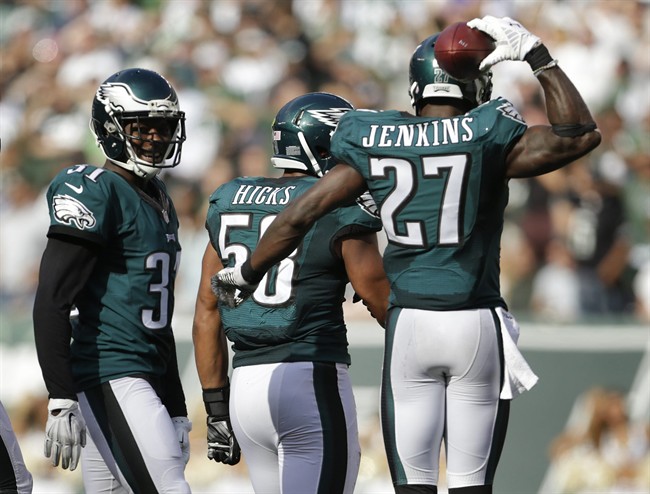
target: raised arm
<point>572,133</point>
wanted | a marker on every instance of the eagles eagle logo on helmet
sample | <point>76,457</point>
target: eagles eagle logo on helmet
<point>329,116</point>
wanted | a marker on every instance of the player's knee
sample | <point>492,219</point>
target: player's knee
<point>173,482</point>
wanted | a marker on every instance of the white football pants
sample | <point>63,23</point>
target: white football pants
<point>442,376</point>
<point>14,476</point>
<point>132,446</point>
<point>297,427</point>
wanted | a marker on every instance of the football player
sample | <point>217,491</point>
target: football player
<point>440,180</point>
<point>113,254</point>
<point>14,476</point>
<point>290,403</point>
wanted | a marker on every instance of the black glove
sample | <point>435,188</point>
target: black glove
<point>222,444</point>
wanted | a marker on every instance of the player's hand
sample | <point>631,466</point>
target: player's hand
<point>513,41</point>
<point>183,427</point>
<point>222,443</point>
<point>65,433</point>
<point>230,286</point>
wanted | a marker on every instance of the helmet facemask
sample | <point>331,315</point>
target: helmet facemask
<point>147,153</point>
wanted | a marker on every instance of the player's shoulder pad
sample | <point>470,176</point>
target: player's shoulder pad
<point>364,115</point>
<point>368,205</point>
<point>356,122</point>
<point>83,179</point>
<point>224,188</point>
<point>501,108</point>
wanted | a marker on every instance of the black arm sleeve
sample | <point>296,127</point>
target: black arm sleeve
<point>65,267</point>
<point>173,396</point>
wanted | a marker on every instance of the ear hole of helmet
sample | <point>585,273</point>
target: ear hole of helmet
<point>109,127</point>
<point>321,152</point>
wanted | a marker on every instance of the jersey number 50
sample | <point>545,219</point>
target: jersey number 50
<point>276,287</point>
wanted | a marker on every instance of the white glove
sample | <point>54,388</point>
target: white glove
<point>65,433</point>
<point>513,41</point>
<point>183,427</point>
<point>230,287</point>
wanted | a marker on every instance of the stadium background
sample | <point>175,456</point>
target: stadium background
<point>234,63</point>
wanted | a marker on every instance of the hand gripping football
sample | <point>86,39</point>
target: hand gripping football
<point>460,49</point>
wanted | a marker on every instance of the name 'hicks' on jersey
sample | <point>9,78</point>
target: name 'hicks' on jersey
<point>263,194</point>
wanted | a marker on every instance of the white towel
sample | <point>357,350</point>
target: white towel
<point>519,377</point>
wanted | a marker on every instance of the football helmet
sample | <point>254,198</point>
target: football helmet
<point>302,130</point>
<point>144,99</point>
<point>428,80</point>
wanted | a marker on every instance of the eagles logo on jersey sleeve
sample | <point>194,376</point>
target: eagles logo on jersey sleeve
<point>510,111</point>
<point>78,202</point>
<point>368,205</point>
<point>70,211</point>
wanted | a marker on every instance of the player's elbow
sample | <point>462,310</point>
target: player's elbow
<point>577,147</point>
<point>592,140</point>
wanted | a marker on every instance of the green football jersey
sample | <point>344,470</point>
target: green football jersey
<point>126,307</point>
<point>441,189</point>
<point>296,312</point>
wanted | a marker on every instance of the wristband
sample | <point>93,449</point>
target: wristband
<point>251,276</point>
<point>573,130</point>
<point>540,59</point>
<point>216,400</point>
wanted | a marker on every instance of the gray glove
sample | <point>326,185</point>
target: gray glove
<point>65,433</point>
<point>183,427</point>
<point>222,443</point>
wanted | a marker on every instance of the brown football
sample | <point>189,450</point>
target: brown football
<point>460,49</point>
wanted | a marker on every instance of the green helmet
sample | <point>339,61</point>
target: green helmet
<point>132,96</point>
<point>302,130</point>
<point>428,80</point>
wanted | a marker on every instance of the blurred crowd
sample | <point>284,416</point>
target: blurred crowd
<point>576,242</point>
<point>603,450</point>
<point>576,245</point>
